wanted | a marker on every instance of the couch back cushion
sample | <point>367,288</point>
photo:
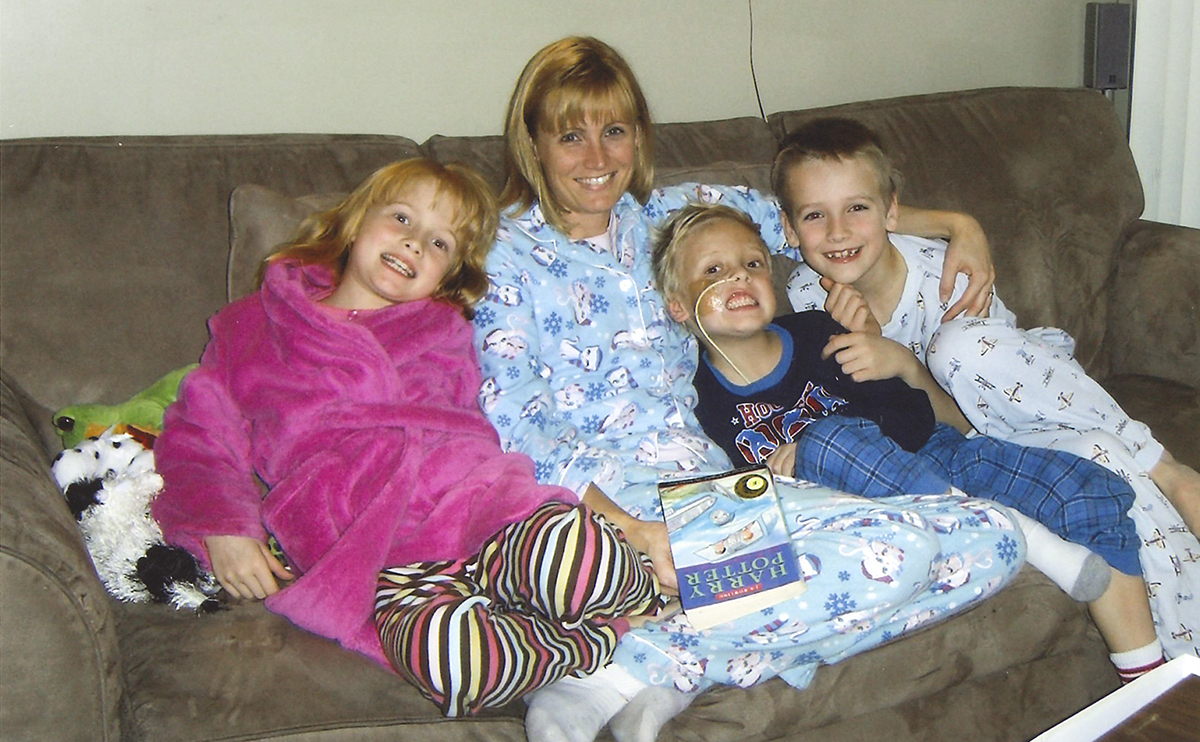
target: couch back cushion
<point>1048,174</point>
<point>115,250</point>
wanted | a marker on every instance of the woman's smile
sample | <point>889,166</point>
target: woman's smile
<point>588,167</point>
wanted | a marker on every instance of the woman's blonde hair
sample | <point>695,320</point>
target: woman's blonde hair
<point>325,238</point>
<point>564,85</point>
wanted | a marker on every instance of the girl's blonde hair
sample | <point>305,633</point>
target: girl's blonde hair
<point>564,85</point>
<point>325,238</point>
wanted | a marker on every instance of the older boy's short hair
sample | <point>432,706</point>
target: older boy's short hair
<point>832,138</point>
<point>683,224</point>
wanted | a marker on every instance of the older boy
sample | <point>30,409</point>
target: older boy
<point>839,191</point>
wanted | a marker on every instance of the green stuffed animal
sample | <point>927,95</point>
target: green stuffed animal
<point>141,415</point>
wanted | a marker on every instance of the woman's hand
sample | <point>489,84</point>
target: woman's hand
<point>648,537</point>
<point>244,566</point>
<point>968,254</point>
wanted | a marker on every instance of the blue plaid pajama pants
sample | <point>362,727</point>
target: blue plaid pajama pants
<point>1077,499</point>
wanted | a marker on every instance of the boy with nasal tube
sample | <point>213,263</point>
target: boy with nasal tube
<point>770,390</point>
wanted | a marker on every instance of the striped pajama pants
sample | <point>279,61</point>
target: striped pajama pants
<point>542,599</point>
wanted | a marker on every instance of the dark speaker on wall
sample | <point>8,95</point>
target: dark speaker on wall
<point>1107,40</point>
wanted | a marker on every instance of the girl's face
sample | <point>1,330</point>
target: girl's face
<point>588,168</point>
<point>403,250</point>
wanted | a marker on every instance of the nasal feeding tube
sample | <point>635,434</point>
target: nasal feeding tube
<point>716,305</point>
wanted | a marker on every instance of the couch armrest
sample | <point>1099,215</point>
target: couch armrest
<point>1154,304</point>
<point>58,646</point>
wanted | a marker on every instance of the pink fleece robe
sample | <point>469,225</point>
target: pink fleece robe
<point>367,433</point>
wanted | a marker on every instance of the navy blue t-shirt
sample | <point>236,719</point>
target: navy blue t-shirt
<point>751,421</point>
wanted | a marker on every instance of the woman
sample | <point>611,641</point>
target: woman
<point>584,372</point>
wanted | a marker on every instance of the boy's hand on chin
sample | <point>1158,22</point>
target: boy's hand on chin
<point>866,357</point>
<point>848,307</point>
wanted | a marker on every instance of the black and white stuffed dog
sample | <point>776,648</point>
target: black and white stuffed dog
<point>109,482</point>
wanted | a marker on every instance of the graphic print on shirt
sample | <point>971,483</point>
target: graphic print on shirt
<point>768,426</point>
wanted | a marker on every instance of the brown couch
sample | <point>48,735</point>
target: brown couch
<point>115,251</point>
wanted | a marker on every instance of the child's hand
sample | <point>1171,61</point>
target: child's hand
<point>782,460</point>
<point>866,357</point>
<point>847,305</point>
<point>968,254</point>
<point>245,566</point>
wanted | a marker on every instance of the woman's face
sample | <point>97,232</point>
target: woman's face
<point>588,168</point>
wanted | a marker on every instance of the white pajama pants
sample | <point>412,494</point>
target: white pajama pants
<point>1025,386</point>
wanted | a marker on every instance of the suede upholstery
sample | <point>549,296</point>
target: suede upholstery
<point>115,251</point>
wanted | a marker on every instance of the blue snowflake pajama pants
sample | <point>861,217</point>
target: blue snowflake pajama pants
<point>875,570</point>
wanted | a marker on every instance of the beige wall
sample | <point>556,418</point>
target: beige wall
<point>419,67</point>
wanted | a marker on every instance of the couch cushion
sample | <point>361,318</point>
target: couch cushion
<point>260,219</point>
<point>1060,188</point>
<point>245,673</point>
<point>1171,410</point>
<point>485,154</point>
<point>59,656</point>
<point>733,152</point>
<point>729,152</point>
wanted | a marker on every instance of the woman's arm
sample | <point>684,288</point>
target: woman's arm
<point>968,254</point>
<point>648,537</point>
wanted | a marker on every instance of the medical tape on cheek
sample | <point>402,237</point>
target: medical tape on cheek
<point>714,302</point>
<point>716,305</point>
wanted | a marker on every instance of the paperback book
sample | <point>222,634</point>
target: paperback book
<point>730,545</point>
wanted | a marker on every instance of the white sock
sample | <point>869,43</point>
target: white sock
<point>648,712</point>
<point>1137,662</point>
<point>1080,572</point>
<point>576,709</point>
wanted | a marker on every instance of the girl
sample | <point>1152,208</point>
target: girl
<point>347,386</point>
